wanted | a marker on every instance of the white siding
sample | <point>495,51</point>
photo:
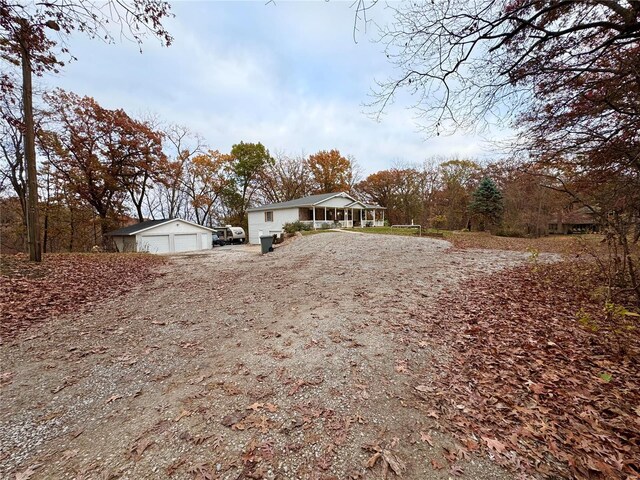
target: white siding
<point>280,217</point>
<point>176,235</point>
<point>335,202</point>
<point>175,227</point>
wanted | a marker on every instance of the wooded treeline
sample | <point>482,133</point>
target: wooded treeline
<point>100,168</point>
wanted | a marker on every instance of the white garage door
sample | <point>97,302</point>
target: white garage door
<point>154,243</point>
<point>185,243</point>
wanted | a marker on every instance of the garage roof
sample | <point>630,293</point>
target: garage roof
<point>146,225</point>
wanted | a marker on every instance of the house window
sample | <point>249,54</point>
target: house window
<point>268,216</point>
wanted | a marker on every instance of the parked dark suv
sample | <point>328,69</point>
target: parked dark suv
<point>216,240</point>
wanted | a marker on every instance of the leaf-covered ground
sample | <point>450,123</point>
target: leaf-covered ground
<point>525,378</point>
<point>32,293</point>
<point>236,365</point>
<point>337,356</point>
<point>572,245</point>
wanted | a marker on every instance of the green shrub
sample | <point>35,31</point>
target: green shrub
<point>296,226</point>
<point>438,221</point>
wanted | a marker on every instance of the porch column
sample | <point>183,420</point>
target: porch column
<point>325,214</point>
<point>383,217</point>
<point>374,217</point>
<point>314,218</point>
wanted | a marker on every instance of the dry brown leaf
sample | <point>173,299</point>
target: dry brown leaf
<point>494,444</point>
<point>184,413</point>
<point>234,418</point>
<point>175,465</point>
<point>425,437</point>
<point>201,471</point>
<point>139,447</point>
<point>471,444</point>
<point>371,462</point>
<point>397,466</point>
<point>256,406</point>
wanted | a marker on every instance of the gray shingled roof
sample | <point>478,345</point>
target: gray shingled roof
<point>133,229</point>
<point>298,202</point>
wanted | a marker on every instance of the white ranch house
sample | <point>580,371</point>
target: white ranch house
<point>162,236</point>
<point>318,211</point>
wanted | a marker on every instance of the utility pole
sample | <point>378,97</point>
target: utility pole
<point>33,221</point>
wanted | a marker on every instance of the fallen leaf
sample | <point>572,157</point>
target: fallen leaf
<point>425,437</point>
<point>113,399</point>
<point>202,471</point>
<point>456,470</point>
<point>6,378</point>
<point>470,444</point>
<point>495,444</point>
<point>371,462</point>
<point>139,447</point>
<point>184,413</point>
<point>256,406</point>
<point>233,418</point>
<point>396,465</point>
<point>537,388</point>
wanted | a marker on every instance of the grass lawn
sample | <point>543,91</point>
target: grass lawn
<point>409,232</point>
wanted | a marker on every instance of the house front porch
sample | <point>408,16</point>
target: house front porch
<point>328,217</point>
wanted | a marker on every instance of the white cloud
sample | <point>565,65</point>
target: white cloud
<point>290,77</point>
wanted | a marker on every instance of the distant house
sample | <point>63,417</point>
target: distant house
<point>581,220</point>
<point>318,211</point>
<point>162,236</point>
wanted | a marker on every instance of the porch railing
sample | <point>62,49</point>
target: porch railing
<point>342,223</point>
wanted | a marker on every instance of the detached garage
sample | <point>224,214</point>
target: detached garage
<point>162,236</point>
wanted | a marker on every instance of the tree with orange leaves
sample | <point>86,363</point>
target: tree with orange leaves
<point>102,155</point>
<point>331,172</point>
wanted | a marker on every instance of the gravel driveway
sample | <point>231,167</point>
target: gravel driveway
<point>295,365</point>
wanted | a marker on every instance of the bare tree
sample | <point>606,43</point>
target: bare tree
<point>169,196</point>
<point>285,179</point>
<point>24,42</point>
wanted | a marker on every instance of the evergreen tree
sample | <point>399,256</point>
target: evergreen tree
<point>487,203</point>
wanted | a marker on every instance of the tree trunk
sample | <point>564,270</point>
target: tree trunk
<point>35,247</point>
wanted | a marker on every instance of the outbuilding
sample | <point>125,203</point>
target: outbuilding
<point>162,236</point>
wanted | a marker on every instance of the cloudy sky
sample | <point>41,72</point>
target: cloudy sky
<point>287,74</point>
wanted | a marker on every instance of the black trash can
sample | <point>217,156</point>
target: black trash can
<point>266,242</point>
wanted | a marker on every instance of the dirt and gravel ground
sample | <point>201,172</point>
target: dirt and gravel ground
<point>299,364</point>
